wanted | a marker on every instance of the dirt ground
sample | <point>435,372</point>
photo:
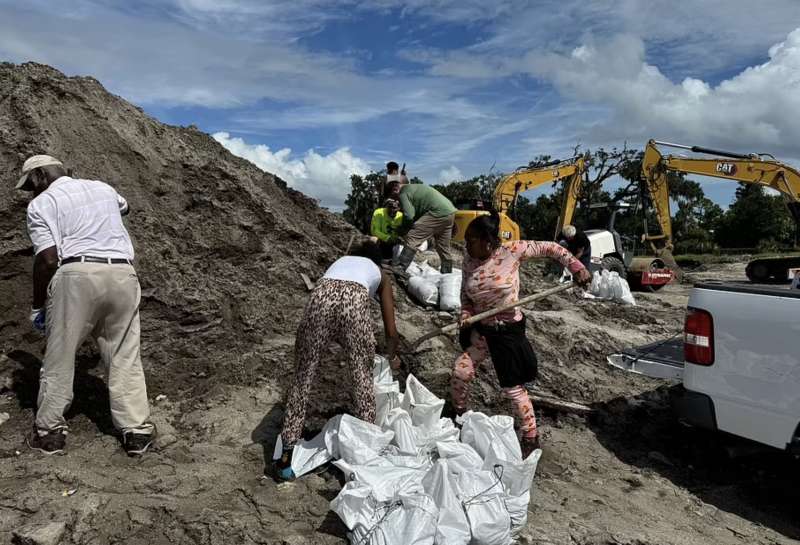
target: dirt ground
<point>220,245</point>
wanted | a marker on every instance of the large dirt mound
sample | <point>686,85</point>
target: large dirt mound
<point>220,244</point>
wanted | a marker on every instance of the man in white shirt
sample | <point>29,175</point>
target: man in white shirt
<point>84,284</point>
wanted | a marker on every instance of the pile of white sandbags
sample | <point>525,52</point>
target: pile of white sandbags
<point>612,287</point>
<point>411,481</point>
<point>432,288</point>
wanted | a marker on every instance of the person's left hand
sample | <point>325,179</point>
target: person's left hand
<point>392,344</point>
<point>582,277</point>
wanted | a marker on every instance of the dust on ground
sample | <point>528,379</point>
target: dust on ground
<point>220,245</point>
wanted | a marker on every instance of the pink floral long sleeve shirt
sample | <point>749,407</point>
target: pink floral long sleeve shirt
<point>494,282</point>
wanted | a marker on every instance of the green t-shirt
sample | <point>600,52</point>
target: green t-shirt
<point>416,200</point>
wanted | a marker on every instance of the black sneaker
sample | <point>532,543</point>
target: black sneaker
<point>48,442</point>
<point>529,445</point>
<point>136,444</point>
<point>283,466</point>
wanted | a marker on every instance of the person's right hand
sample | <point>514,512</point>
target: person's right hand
<point>583,278</point>
<point>463,317</point>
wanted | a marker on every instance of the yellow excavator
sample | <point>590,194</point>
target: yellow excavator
<point>508,189</point>
<point>759,169</point>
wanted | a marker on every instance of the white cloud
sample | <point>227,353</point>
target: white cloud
<point>451,174</point>
<point>324,177</point>
<point>756,108</point>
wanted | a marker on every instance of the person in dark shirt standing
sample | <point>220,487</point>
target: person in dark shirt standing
<point>578,244</point>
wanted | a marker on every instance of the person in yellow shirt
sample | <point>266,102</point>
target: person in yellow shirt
<point>385,224</point>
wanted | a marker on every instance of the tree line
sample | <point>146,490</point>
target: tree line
<point>754,220</point>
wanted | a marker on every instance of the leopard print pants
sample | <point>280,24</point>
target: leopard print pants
<point>338,311</point>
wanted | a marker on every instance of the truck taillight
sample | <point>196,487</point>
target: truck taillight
<point>698,337</point>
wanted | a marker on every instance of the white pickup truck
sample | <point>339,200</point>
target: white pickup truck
<point>739,361</point>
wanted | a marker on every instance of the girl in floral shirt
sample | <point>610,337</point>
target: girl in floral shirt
<point>490,280</point>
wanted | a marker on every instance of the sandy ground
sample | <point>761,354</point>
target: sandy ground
<point>219,249</point>
<point>629,474</point>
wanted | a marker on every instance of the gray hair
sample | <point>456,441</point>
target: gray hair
<point>569,231</point>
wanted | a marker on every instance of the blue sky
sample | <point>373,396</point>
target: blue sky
<point>314,90</point>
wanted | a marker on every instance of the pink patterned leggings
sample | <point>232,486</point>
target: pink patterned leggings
<point>464,373</point>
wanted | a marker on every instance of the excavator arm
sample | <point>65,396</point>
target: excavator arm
<point>749,169</point>
<point>509,188</point>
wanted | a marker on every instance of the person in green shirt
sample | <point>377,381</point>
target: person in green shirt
<point>386,222</point>
<point>431,215</point>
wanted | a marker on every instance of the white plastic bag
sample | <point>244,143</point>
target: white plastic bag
<point>407,519</point>
<point>517,478</point>
<point>423,289</point>
<point>594,288</point>
<point>484,503</point>
<point>354,441</point>
<point>461,458</point>
<point>424,407</point>
<point>385,480</point>
<point>387,397</point>
<point>626,297</point>
<point>399,422</point>
<point>450,291</point>
<point>491,436</point>
<point>452,527</point>
<point>604,290</point>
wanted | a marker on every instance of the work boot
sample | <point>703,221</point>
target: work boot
<point>446,267</point>
<point>283,465</point>
<point>528,445</point>
<point>136,444</point>
<point>405,259</point>
<point>47,442</point>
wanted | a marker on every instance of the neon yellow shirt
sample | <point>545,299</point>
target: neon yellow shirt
<point>383,227</point>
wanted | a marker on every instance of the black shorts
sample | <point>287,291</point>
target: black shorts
<point>512,354</point>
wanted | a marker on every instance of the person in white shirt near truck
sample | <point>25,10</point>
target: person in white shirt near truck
<point>84,284</point>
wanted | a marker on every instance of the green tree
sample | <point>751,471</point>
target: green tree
<point>756,219</point>
<point>365,196</point>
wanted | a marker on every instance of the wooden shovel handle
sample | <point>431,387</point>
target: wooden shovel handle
<point>489,313</point>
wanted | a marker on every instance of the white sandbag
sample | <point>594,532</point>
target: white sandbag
<point>461,458</point>
<point>450,291</point>
<point>399,422</point>
<point>354,441</point>
<point>406,519</point>
<point>594,287</point>
<point>385,480</point>
<point>428,271</point>
<point>491,435</point>
<point>387,397</point>
<point>381,371</point>
<point>517,478</point>
<point>604,290</point>
<point>483,498</point>
<point>309,455</point>
<point>424,289</point>
<point>424,407</point>
<point>626,297</point>
<point>453,527</point>
<point>442,432</point>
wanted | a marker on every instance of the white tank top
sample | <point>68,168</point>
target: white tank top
<point>356,269</point>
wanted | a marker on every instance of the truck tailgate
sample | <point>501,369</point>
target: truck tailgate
<point>662,359</point>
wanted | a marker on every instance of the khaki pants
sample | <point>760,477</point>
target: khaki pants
<point>428,226</point>
<point>100,300</point>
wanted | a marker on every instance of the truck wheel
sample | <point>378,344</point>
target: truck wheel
<point>612,264</point>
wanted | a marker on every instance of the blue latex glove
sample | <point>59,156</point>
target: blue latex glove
<point>37,319</point>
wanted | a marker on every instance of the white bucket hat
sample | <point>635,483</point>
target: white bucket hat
<point>31,164</point>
